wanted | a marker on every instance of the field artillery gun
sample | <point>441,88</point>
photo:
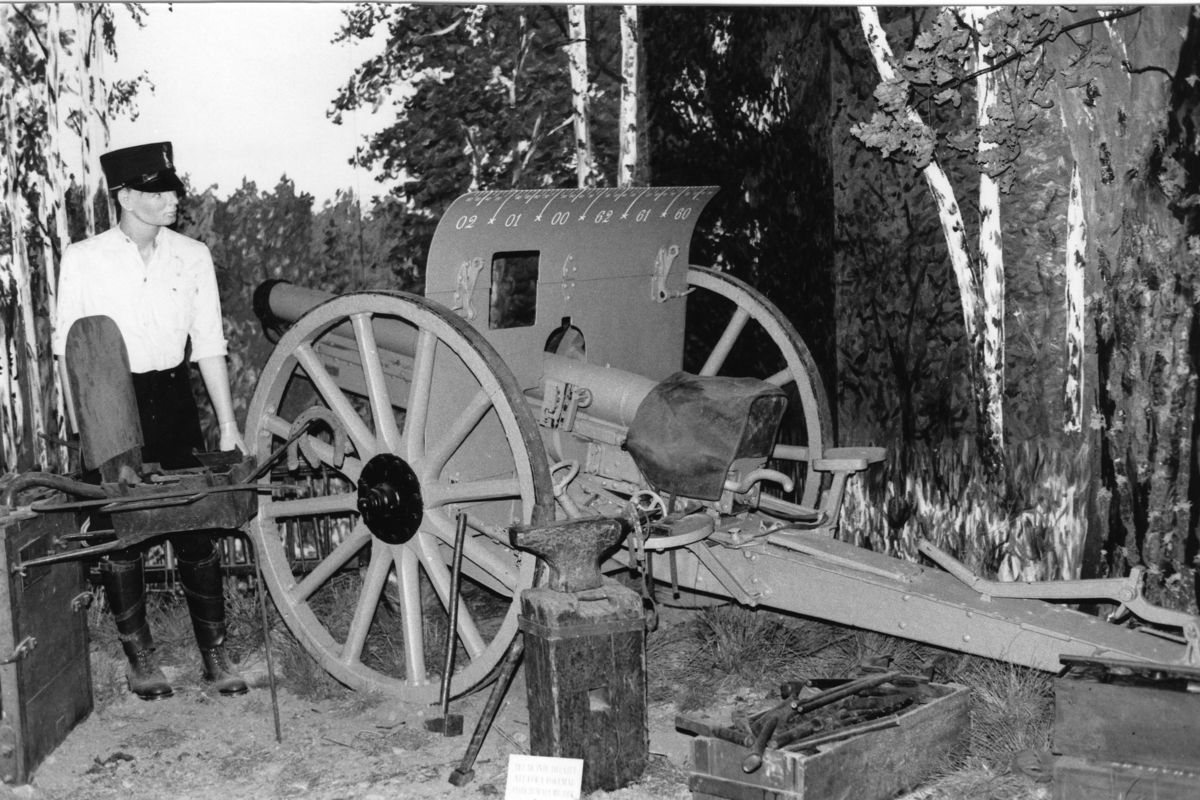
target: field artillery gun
<point>539,377</point>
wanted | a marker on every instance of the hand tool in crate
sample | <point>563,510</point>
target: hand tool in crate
<point>872,735</point>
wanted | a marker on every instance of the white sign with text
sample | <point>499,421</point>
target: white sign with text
<point>543,778</point>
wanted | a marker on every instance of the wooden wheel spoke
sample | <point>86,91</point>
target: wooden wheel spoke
<point>363,440</point>
<point>459,430</point>
<point>381,404</point>
<point>462,410</point>
<point>309,506</point>
<point>411,613</point>
<point>487,554</point>
<point>716,359</point>
<point>784,376</point>
<point>368,601</point>
<point>439,576</point>
<point>417,412</point>
<point>331,563</point>
<point>440,494</point>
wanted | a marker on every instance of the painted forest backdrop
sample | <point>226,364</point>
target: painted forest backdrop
<point>982,222</point>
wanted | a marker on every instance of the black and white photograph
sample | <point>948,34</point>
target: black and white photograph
<point>546,402</point>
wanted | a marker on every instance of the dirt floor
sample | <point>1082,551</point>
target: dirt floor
<point>198,745</point>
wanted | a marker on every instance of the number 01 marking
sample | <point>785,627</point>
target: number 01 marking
<point>512,220</point>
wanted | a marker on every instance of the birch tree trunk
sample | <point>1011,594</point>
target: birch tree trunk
<point>991,245</point>
<point>630,45</point>
<point>1074,396</point>
<point>973,291</point>
<point>85,52</point>
<point>53,210</point>
<point>14,273</point>
<point>578,65</point>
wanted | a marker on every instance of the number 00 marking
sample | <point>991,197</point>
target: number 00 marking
<point>560,218</point>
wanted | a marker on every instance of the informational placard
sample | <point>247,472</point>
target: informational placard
<point>543,778</point>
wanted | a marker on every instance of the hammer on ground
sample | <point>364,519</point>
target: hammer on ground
<point>572,549</point>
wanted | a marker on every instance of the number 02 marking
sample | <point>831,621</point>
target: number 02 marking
<point>466,222</point>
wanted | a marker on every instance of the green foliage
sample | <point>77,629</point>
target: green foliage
<point>938,69</point>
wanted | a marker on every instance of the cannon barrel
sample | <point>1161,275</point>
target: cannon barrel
<point>616,394</point>
<point>278,304</point>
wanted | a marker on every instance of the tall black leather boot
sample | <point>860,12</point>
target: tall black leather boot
<point>205,594</point>
<point>125,588</point>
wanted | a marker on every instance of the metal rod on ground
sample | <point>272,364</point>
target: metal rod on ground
<point>833,695</point>
<point>452,725</point>
<point>262,604</point>
<point>464,773</point>
<point>843,733</point>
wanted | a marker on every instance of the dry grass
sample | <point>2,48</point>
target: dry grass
<point>1012,708</point>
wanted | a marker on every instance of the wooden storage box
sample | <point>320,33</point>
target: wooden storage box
<point>1126,730</point>
<point>48,690</point>
<point>1128,713</point>
<point>1088,779</point>
<point>872,766</point>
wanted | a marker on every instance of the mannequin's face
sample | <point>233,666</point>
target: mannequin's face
<point>150,208</point>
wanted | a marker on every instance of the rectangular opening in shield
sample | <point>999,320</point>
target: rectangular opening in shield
<point>514,290</point>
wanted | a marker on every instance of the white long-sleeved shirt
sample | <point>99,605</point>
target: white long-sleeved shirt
<point>156,306</point>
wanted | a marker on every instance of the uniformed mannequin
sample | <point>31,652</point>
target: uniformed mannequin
<point>161,289</point>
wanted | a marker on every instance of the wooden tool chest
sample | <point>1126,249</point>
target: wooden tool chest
<point>46,680</point>
<point>871,766</point>
<point>1126,730</point>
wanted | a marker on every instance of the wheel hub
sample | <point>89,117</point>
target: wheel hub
<point>389,499</point>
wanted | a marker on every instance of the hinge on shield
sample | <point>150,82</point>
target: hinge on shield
<point>468,273</point>
<point>662,269</point>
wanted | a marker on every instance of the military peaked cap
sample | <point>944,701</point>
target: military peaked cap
<point>146,167</point>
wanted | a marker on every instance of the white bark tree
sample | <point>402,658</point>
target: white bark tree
<point>577,63</point>
<point>981,283</point>
<point>630,43</point>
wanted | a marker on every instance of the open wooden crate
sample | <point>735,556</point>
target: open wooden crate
<point>871,766</point>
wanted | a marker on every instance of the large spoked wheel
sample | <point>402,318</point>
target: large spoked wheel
<point>759,341</point>
<point>431,417</point>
